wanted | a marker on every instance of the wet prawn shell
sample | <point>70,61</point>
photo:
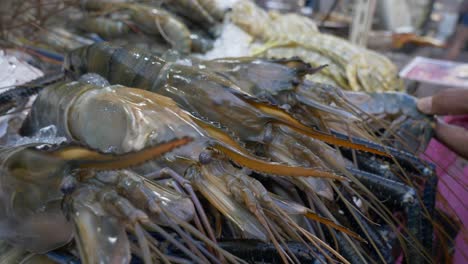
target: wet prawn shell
<point>199,91</point>
<point>172,201</point>
<point>153,21</point>
<point>115,119</point>
<point>121,119</point>
<point>99,236</point>
<point>109,133</point>
<point>52,107</point>
<point>30,200</point>
<point>99,4</point>
<point>104,27</point>
<point>415,130</point>
<point>193,10</point>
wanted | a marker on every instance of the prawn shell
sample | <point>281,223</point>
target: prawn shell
<point>30,217</point>
<point>56,101</point>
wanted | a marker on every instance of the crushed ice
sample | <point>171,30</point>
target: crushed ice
<point>14,72</point>
<point>225,4</point>
<point>233,42</point>
<point>46,135</point>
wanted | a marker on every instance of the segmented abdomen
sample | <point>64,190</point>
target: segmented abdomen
<point>118,65</point>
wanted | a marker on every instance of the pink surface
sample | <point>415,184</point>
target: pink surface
<point>453,181</point>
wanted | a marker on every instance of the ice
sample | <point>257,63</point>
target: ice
<point>233,42</point>
<point>95,79</point>
<point>225,4</point>
<point>15,72</point>
<point>184,61</point>
<point>46,135</point>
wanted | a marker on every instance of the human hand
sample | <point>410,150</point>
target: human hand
<point>458,42</point>
<point>448,102</point>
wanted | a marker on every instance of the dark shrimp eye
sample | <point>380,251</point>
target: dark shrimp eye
<point>68,185</point>
<point>205,157</point>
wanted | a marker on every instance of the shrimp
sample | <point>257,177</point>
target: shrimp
<point>31,188</point>
<point>144,118</point>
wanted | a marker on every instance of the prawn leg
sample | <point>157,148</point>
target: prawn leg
<point>87,215</point>
<point>401,196</point>
<point>188,187</point>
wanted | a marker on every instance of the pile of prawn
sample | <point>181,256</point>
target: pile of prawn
<point>246,161</point>
<point>183,25</point>
<point>193,25</point>
<point>350,67</point>
<point>171,158</point>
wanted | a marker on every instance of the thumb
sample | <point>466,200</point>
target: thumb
<point>446,102</point>
<point>454,137</point>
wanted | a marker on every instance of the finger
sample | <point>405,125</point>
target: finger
<point>454,137</point>
<point>446,102</point>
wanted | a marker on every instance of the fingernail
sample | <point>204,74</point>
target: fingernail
<point>425,105</point>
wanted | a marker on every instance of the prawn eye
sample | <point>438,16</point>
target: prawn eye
<point>205,157</point>
<point>68,185</point>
